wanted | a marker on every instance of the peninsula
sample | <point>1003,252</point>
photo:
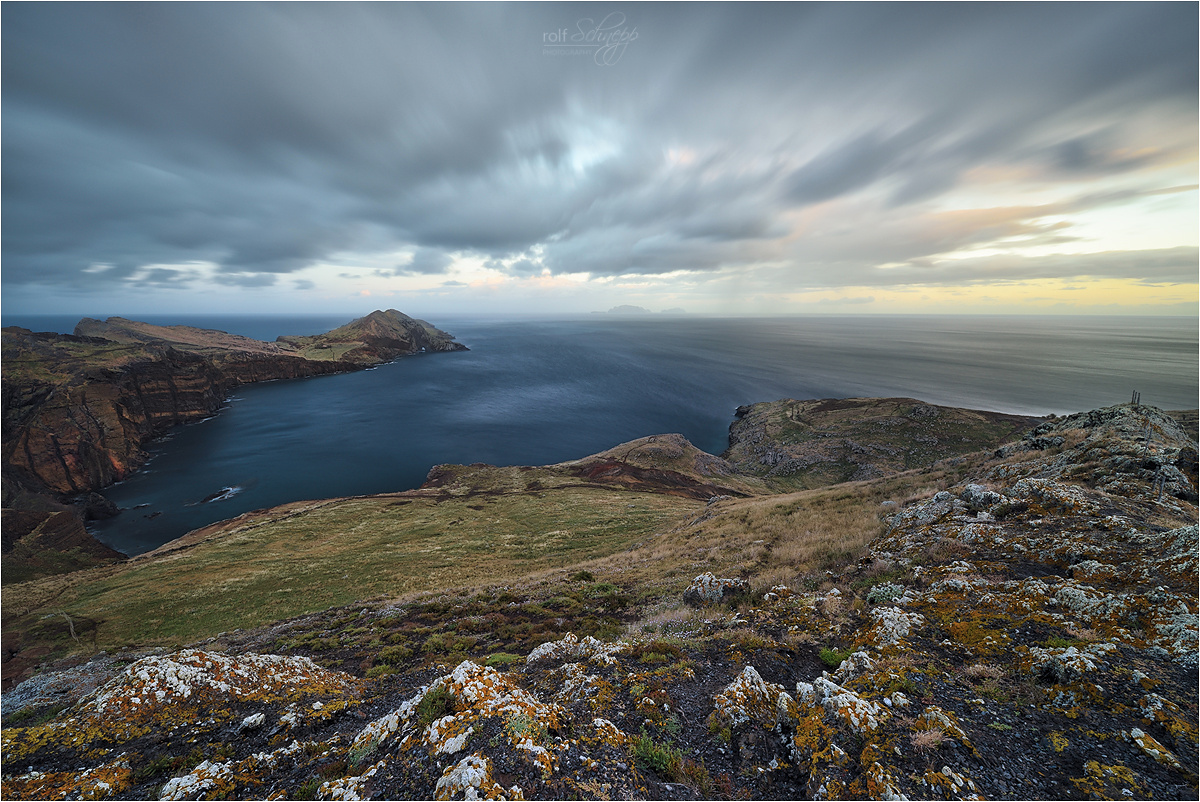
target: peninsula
<point>79,409</point>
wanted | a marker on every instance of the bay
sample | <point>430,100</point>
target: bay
<point>536,391</point>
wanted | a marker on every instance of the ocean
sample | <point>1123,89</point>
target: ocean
<point>536,391</point>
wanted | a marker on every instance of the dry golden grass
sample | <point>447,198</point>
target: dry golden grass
<point>980,671</point>
<point>486,527</point>
<point>926,740</point>
<point>769,540</point>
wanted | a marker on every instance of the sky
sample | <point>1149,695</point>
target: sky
<point>542,158</point>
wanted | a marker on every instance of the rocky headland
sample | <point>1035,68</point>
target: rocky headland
<point>1017,622</point>
<point>794,445</point>
<point>79,409</point>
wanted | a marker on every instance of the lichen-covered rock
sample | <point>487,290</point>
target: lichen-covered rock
<point>856,665</point>
<point>978,497</point>
<point>1066,665</point>
<point>1154,749</point>
<point>570,647</point>
<point>193,676</point>
<point>751,698</point>
<point>472,778</point>
<point>925,513</point>
<point>708,589</point>
<point>207,779</point>
<point>842,704</point>
<point>891,625</point>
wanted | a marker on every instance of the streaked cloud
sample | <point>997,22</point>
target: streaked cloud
<point>403,149</point>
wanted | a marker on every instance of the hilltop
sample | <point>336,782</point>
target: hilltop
<point>1016,622</point>
<point>79,409</point>
<point>794,445</point>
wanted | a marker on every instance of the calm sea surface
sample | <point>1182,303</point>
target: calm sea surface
<point>541,391</point>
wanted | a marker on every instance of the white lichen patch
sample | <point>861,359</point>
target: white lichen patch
<point>569,647</point>
<point>349,788</point>
<point>891,625</point>
<point>1066,665</point>
<point>1154,749</point>
<point>472,778</point>
<point>198,782</point>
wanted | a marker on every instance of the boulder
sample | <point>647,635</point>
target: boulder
<point>709,589</point>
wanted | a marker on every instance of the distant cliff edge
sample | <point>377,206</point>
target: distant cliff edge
<point>79,408</point>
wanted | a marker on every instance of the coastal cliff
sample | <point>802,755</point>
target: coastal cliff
<point>79,409</point>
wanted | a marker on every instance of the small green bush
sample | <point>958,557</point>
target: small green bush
<point>661,758</point>
<point>394,655</point>
<point>885,593</point>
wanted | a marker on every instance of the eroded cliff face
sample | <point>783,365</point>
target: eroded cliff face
<point>78,408</point>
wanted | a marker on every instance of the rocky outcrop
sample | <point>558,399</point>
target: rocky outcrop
<point>378,337</point>
<point>802,444</point>
<point>709,589</point>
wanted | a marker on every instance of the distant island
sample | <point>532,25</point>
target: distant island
<point>79,408</point>
<point>628,310</point>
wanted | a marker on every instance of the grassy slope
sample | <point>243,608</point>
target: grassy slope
<point>484,527</point>
<point>59,362</point>
<point>301,558</point>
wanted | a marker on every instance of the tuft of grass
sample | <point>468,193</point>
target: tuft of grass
<point>521,726</point>
<point>308,789</point>
<point>502,659</point>
<point>33,716</point>
<point>927,740</point>
<point>832,657</point>
<point>1056,642</point>
<point>436,703</point>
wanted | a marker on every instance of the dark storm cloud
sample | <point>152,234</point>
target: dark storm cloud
<point>266,138</point>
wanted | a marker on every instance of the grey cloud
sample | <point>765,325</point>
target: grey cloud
<point>267,138</point>
<point>426,261</point>
<point>246,279</point>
